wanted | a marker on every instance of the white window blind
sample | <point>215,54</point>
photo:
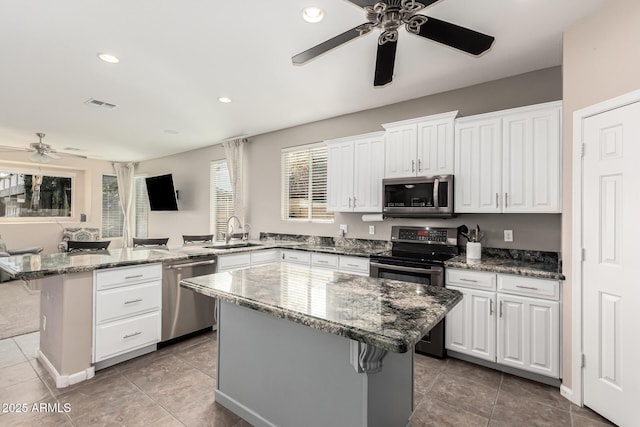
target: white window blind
<point>141,207</point>
<point>304,184</point>
<point>112,217</point>
<point>221,198</point>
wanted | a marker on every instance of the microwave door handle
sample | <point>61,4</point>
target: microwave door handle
<point>436,185</point>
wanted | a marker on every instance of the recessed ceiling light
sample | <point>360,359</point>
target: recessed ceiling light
<point>312,14</point>
<point>106,57</point>
<point>224,99</point>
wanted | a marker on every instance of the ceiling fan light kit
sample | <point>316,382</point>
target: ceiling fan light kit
<point>388,16</point>
<point>42,153</point>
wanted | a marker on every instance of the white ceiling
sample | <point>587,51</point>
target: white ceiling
<point>178,57</point>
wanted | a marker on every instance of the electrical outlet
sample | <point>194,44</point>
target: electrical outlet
<point>508,235</point>
<point>343,229</point>
<point>372,229</point>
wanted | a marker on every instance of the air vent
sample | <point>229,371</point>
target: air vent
<point>100,104</point>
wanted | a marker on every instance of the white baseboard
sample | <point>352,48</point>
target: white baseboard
<point>65,380</point>
<point>567,393</point>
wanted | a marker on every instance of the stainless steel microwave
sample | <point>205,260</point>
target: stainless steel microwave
<point>418,197</point>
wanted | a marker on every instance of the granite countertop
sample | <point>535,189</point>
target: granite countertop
<point>542,269</point>
<point>30,267</point>
<point>388,314</point>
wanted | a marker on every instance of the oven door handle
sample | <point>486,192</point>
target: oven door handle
<point>435,271</point>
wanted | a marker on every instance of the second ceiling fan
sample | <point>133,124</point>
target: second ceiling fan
<point>388,16</point>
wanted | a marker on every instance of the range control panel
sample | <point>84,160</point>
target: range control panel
<point>424,235</point>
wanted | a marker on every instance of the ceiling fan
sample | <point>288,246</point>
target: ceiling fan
<point>42,153</point>
<point>388,16</point>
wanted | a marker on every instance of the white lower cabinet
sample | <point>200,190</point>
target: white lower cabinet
<point>508,319</point>
<point>127,310</point>
<point>236,261</point>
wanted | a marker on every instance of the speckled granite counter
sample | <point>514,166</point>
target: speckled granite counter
<point>542,268</point>
<point>388,314</point>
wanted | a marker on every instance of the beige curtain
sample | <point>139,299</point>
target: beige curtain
<point>125,176</point>
<point>234,153</point>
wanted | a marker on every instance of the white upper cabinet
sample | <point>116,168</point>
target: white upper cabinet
<point>509,161</point>
<point>354,174</point>
<point>420,147</point>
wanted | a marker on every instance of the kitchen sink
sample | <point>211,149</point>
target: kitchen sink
<point>234,245</point>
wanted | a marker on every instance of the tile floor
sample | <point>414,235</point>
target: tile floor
<point>174,387</point>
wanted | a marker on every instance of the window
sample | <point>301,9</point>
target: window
<point>141,207</point>
<point>112,216</point>
<point>34,194</point>
<point>221,198</point>
<point>304,184</point>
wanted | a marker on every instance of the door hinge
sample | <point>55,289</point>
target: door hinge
<point>582,149</point>
<point>582,360</point>
<point>584,254</point>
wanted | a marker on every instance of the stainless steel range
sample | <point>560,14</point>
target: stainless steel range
<point>417,256</point>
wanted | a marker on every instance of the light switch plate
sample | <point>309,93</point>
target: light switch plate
<point>508,235</point>
<point>372,229</point>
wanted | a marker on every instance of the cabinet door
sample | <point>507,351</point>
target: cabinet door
<point>478,166</point>
<point>400,151</point>
<point>531,161</point>
<point>340,177</point>
<point>368,173</point>
<point>435,147</point>
<point>471,325</point>
<point>529,334</point>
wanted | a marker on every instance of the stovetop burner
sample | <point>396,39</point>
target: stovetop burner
<point>421,245</point>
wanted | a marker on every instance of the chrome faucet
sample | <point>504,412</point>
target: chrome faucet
<point>227,236</point>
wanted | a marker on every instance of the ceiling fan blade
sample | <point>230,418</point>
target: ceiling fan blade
<point>80,156</point>
<point>326,46</point>
<point>384,63</point>
<point>8,148</point>
<point>50,154</point>
<point>363,3</point>
<point>455,36</point>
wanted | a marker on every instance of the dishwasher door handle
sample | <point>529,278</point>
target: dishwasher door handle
<point>190,264</point>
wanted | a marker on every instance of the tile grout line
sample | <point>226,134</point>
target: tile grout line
<point>495,401</point>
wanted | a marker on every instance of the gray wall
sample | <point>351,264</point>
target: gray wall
<point>540,232</point>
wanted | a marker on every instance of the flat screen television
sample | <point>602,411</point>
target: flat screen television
<point>162,194</point>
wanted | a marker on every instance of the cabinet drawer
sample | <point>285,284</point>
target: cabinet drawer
<point>471,279</point>
<point>354,264</point>
<point>231,262</point>
<point>298,257</point>
<point>527,286</point>
<point>128,300</point>
<point>324,260</point>
<point>123,276</point>
<point>264,257</point>
<point>125,335</point>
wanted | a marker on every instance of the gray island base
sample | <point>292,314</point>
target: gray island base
<point>305,347</point>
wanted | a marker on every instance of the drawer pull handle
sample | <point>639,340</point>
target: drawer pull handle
<point>134,277</point>
<point>468,280</point>
<point>526,287</point>
<point>133,301</point>
<point>131,335</point>
<point>322,261</point>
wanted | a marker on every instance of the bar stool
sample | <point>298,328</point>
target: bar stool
<point>201,238</point>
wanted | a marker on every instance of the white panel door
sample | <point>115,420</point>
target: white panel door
<point>368,174</point>
<point>529,334</point>
<point>435,147</point>
<point>611,292</point>
<point>340,177</point>
<point>531,161</point>
<point>471,325</point>
<point>478,166</point>
<point>400,151</point>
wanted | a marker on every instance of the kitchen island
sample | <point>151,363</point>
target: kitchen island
<point>304,346</point>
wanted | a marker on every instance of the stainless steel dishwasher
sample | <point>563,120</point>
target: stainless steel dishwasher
<point>185,311</point>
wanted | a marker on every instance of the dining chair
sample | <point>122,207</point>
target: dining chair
<point>156,241</point>
<point>200,238</point>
